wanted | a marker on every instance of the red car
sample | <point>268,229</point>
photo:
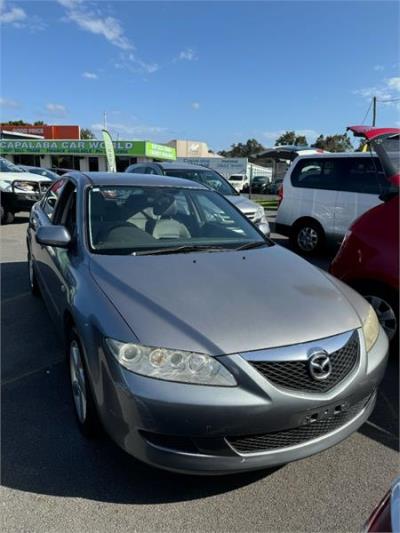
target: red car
<point>368,258</point>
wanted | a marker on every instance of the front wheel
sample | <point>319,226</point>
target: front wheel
<point>307,238</point>
<point>6,216</point>
<point>386,306</point>
<point>85,410</point>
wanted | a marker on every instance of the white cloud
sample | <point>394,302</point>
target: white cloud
<point>94,22</point>
<point>56,110</point>
<point>188,54</point>
<point>394,83</point>
<point>129,131</point>
<point>385,92</point>
<point>90,75</point>
<point>111,29</point>
<point>18,18</point>
<point>379,68</point>
<point>11,15</point>
<point>10,104</point>
<point>195,105</point>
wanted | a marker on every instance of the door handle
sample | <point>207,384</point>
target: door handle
<point>62,288</point>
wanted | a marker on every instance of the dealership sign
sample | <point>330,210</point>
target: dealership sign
<point>87,147</point>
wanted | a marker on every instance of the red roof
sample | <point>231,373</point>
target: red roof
<point>370,132</point>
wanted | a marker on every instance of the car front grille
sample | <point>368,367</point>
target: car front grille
<point>297,435</point>
<point>295,374</point>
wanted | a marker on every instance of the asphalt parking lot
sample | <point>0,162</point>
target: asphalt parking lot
<point>55,480</point>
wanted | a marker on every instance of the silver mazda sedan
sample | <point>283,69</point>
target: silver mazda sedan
<point>196,342</point>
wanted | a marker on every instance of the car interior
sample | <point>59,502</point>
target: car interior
<point>127,218</point>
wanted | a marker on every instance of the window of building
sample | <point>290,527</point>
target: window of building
<point>93,164</point>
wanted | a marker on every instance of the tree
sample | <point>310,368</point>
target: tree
<point>290,138</point>
<point>15,123</point>
<point>38,123</point>
<point>334,143</point>
<point>87,134</point>
<point>251,147</point>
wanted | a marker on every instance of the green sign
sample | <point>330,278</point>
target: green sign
<point>86,147</point>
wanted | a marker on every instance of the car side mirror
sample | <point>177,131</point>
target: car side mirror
<point>57,236</point>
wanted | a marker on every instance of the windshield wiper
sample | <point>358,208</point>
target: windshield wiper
<point>253,244</point>
<point>182,249</point>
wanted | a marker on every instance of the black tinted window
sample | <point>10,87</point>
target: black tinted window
<point>316,174</point>
<point>361,174</point>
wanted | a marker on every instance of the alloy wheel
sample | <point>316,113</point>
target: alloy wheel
<point>78,381</point>
<point>307,239</point>
<point>385,313</point>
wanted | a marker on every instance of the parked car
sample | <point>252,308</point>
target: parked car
<point>210,178</point>
<point>258,185</point>
<point>368,258</point>
<point>274,186</point>
<point>323,194</point>
<point>187,333</point>
<point>61,171</point>
<point>385,518</point>
<point>40,171</point>
<point>19,190</point>
<point>239,182</point>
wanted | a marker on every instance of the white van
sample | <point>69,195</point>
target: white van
<point>322,195</point>
<point>238,181</point>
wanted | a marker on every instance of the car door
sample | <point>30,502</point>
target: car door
<point>313,192</point>
<point>360,183</point>
<point>54,262</point>
<point>41,215</point>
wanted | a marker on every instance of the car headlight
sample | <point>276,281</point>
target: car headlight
<point>24,186</point>
<point>370,328</point>
<point>171,365</point>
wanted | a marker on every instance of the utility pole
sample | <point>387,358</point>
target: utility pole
<point>105,120</point>
<point>374,110</point>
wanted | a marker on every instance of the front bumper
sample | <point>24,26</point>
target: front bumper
<point>21,201</point>
<point>195,429</point>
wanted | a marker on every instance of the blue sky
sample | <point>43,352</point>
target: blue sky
<point>215,71</point>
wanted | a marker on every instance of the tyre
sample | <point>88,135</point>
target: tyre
<point>386,305</point>
<point>33,284</point>
<point>6,216</point>
<point>84,406</point>
<point>307,237</point>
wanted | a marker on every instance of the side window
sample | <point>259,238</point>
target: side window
<point>66,209</point>
<point>361,174</point>
<point>50,199</point>
<point>138,170</point>
<point>319,173</point>
<point>151,170</point>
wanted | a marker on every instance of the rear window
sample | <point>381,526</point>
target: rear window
<point>351,174</point>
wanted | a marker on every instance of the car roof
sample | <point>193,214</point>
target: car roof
<point>140,180</point>
<point>334,154</point>
<point>176,166</point>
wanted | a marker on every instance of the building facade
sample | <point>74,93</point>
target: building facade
<point>84,155</point>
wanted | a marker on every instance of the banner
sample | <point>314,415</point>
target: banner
<point>110,153</point>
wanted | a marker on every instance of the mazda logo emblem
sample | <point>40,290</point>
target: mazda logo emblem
<point>319,365</point>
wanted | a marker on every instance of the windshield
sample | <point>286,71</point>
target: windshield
<point>7,166</point>
<point>206,177</point>
<point>125,220</point>
<point>42,172</point>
